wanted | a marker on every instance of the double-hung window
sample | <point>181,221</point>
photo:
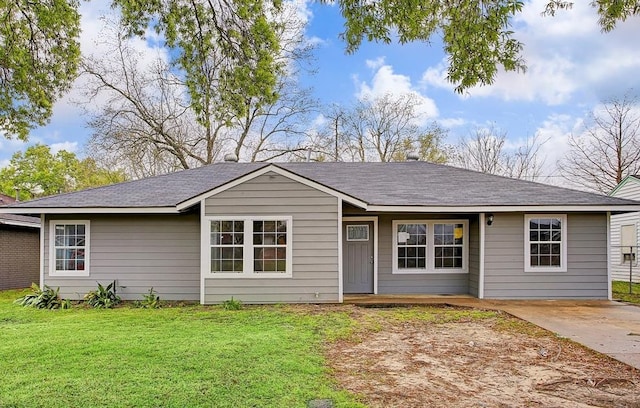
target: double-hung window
<point>545,243</point>
<point>69,248</point>
<point>430,246</point>
<point>250,246</point>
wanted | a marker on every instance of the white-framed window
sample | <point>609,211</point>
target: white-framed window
<point>430,246</point>
<point>358,232</point>
<point>250,247</point>
<point>545,245</point>
<point>69,248</point>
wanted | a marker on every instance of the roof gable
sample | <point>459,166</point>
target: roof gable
<point>628,180</point>
<point>278,170</point>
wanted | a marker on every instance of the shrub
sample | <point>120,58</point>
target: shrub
<point>45,298</point>
<point>150,301</point>
<point>232,304</point>
<point>103,297</point>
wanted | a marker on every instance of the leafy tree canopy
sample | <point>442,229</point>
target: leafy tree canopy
<point>40,53</point>
<point>39,172</point>
<point>476,34</point>
<point>39,57</point>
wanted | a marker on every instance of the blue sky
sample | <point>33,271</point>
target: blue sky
<point>572,67</point>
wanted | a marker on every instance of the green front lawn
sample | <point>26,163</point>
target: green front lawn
<point>621,291</point>
<point>171,357</point>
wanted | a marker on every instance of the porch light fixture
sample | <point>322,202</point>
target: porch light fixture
<point>489,219</point>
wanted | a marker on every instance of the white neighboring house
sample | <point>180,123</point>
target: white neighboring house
<point>625,233</point>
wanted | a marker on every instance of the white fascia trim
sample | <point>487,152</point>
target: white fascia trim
<point>340,254</point>
<point>498,209</point>
<point>609,283</point>
<point>373,219</point>
<point>481,266</point>
<point>277,170</point>
<point>42,225</point>
<point>20,223</point>
<point>91,210</point>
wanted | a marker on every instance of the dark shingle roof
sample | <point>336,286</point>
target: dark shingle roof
<point>397,184</point>
<point>11,219</point>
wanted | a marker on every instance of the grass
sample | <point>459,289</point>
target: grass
<point>620,291</point>
<point>187,356</point>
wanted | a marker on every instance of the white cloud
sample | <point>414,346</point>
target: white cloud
<point>386,82</point>
<point>452,122</point>
<point>565,55</point>
<point>375,64</point>
<point>71,147</point>
<point>554,134</point>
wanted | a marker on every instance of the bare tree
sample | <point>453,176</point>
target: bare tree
<point>608,149</point>
<point>486,151</point>
<point>381,128</point>
<point>149,125</point>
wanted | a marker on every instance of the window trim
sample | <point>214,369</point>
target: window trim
<point>248,271</point>
<point>430,247</point>
<point>52,248</point>
<point>563,246</point>
<point>358,239</point>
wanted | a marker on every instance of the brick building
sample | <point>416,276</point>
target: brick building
<point>19,249</point>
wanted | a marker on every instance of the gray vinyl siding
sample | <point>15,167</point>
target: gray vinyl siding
<point>428,283</point>
<point>620,270</point>
<point>474,257</point>
<point>139,252</point>
<point>315,241</point>
<point>586,275</point>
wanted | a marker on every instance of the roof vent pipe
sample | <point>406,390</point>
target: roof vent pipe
<point>230,158</point>
<point>412,156</point>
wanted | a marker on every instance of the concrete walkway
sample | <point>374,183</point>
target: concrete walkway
<point>611,328</point>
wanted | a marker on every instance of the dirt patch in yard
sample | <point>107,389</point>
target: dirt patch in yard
<point>425,357</point>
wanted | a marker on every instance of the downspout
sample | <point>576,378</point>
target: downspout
<point>481,255</point>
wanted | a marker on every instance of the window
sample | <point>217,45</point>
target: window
<point>448,245</point>
<point>545,243</point>
<point>250,246</point>
<point>434,246</point>
<point>270,246</point>
<point>227,246</point>
<point>69,248</point>
<point>357,232</point>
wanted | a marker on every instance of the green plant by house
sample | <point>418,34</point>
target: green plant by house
<point>43,298</point>
<point>104,297</point>
<point>150,301</point>
<point>232,304</point>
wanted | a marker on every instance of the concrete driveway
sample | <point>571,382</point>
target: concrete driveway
<point>611,328</point>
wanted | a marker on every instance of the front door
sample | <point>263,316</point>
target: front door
<point>357,255</point>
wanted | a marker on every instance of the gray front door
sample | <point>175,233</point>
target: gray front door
<point>357,255</point>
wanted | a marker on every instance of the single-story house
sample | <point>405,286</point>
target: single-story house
<point>19,249</point>
<point>314,232</point>
<point>625,233</point>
